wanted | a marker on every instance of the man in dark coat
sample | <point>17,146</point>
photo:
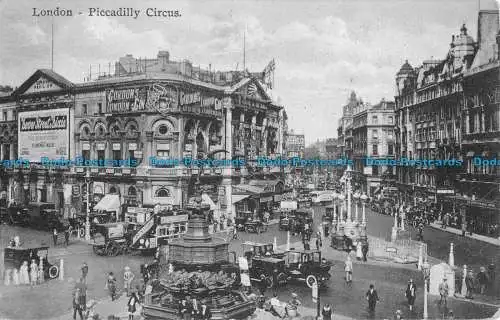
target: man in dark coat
<point>364,249</point>
<point>372,297</point>
<point>411,293</point>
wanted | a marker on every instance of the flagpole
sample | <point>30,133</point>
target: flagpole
<point>52,47</point>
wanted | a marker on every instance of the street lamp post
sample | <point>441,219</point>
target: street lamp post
<point>364,199</point>
<point>356,197</point>
<point>87,218</point>
<point>426,271</point>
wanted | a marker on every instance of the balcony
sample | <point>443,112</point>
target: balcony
<point>104,171</point>
<point>482,137</point>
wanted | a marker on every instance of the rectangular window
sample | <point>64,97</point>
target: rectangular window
<point>86,154</point>
<point>375,120</point>
<point>391,120</point>
<point>6,152</point>
<point>374,171</point>
<point>390,150</point>
<point>101,155</point>
<point>99,108</point>
<point>14,115</point>
<point>84,109</point>
<point>375,149</point>
<point>5,116</point>
<point>117,155</point>
<point>375,134</point>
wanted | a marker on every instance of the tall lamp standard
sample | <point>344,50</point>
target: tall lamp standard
<point>87,217</point>
<point>341,197</point>
<point>364,200</point>
<point>426,268</point>
<point>356,197</point>
<point>334,219</point>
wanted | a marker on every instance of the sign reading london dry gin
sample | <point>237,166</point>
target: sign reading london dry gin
<point>43,134</point>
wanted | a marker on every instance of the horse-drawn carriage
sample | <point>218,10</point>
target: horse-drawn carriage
<point>115,239</point>
<point>15,256</point>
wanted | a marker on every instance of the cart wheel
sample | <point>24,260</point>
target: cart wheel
<point>269,282</point>
<point>81,232</point>
<point>53,272</point>
<point>310,280</point>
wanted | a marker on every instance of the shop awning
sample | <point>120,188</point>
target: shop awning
<point>110,202</point>
<point>238,197</point>
<point>205,199</point>
<point>470,154</point>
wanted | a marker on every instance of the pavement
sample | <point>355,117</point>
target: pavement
<point>474,236</point>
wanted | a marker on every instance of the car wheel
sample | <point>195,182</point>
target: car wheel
<point>311,280</point>
<point>269,282</point>
<point>53,272</point>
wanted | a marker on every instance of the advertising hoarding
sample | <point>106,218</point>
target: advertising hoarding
<point>43,133</point>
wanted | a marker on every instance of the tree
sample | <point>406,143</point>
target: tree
<point>6,89</point>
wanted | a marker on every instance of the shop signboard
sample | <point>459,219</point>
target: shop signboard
<point>43,133</point>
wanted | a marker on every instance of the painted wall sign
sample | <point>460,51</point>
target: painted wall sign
<point>125,100</point>
<point>43,133</point>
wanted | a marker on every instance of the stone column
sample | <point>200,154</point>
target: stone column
<point>483,120</point>
<point>11,152</point>
<point>78,144</point>
<point>180,148</point>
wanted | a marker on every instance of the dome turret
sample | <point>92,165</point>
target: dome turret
<point>406,68</point>
<point>463,44</point>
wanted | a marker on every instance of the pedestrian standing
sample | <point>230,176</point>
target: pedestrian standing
<point>327,312</point>
<point>77,304</point>
<point>54,236</point>
<point>482,278</point>
<point>24,277</point>
<point>372,298</point>
<point>67,232</point>
<point>132,305</point>
<point>128,277</point>
<point>85,271</point>
<point>364,249</point>
<point>411,292</point>
<point>443,292</point>
<point>184,310</point>
<point>319,243</point>
<point>205,313</point>
<point>34,272</point>
<point>111,286</point>
<point>15,277</point>
<point>469,283</point>
<point>348,269</point>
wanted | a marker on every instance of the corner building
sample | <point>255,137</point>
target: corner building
<point>153,112</point>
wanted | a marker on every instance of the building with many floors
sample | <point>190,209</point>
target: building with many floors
<point>447,110</point>
<point>373,143</point>
<point>295,144</point>
<point>137,133</point>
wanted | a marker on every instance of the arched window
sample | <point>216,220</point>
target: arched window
<point>132,191</point>
<point>112,189</point>
<point>162,193</point>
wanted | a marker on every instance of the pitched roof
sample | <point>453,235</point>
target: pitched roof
<point>47,73</point>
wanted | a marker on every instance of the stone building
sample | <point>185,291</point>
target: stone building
<point>135,135</point>
<point>373,142</point>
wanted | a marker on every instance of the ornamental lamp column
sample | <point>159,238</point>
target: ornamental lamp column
<point>356,197</point>
<point>87,218</point>
<point>342,199</point>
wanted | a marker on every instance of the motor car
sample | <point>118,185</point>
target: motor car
<point>15,256</point>
<point>256,249</point>
<point>255,226</point>
<point>307,266</point>
<point>268,270</point>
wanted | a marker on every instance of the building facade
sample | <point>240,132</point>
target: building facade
<point>373,142</point>
<point>447,111</point>
<point>295,145</point>
<point>139,133</point>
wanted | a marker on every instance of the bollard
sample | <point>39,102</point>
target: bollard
<point>275,244</point>
<point>61,269</point>
<point>464,286</point>
<point>6,279</point>
<point>420,257</point>
<point>451,260</point>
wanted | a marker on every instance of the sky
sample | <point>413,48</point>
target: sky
<point>323,49</point>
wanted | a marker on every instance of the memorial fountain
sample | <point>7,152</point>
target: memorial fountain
<point>345,227</point>
<point>198,268</point>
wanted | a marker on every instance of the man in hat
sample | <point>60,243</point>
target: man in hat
<point>443,292</point>
<point>482,278</point>
<point>411,291</point>
<point>469,283</point>
<point>128,277</point>
<point>372,297</point>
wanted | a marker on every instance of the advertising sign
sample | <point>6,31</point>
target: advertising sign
<point>43,133</point>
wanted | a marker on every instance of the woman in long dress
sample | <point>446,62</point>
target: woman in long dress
<point>34,273</point>
<point>24,277</point>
